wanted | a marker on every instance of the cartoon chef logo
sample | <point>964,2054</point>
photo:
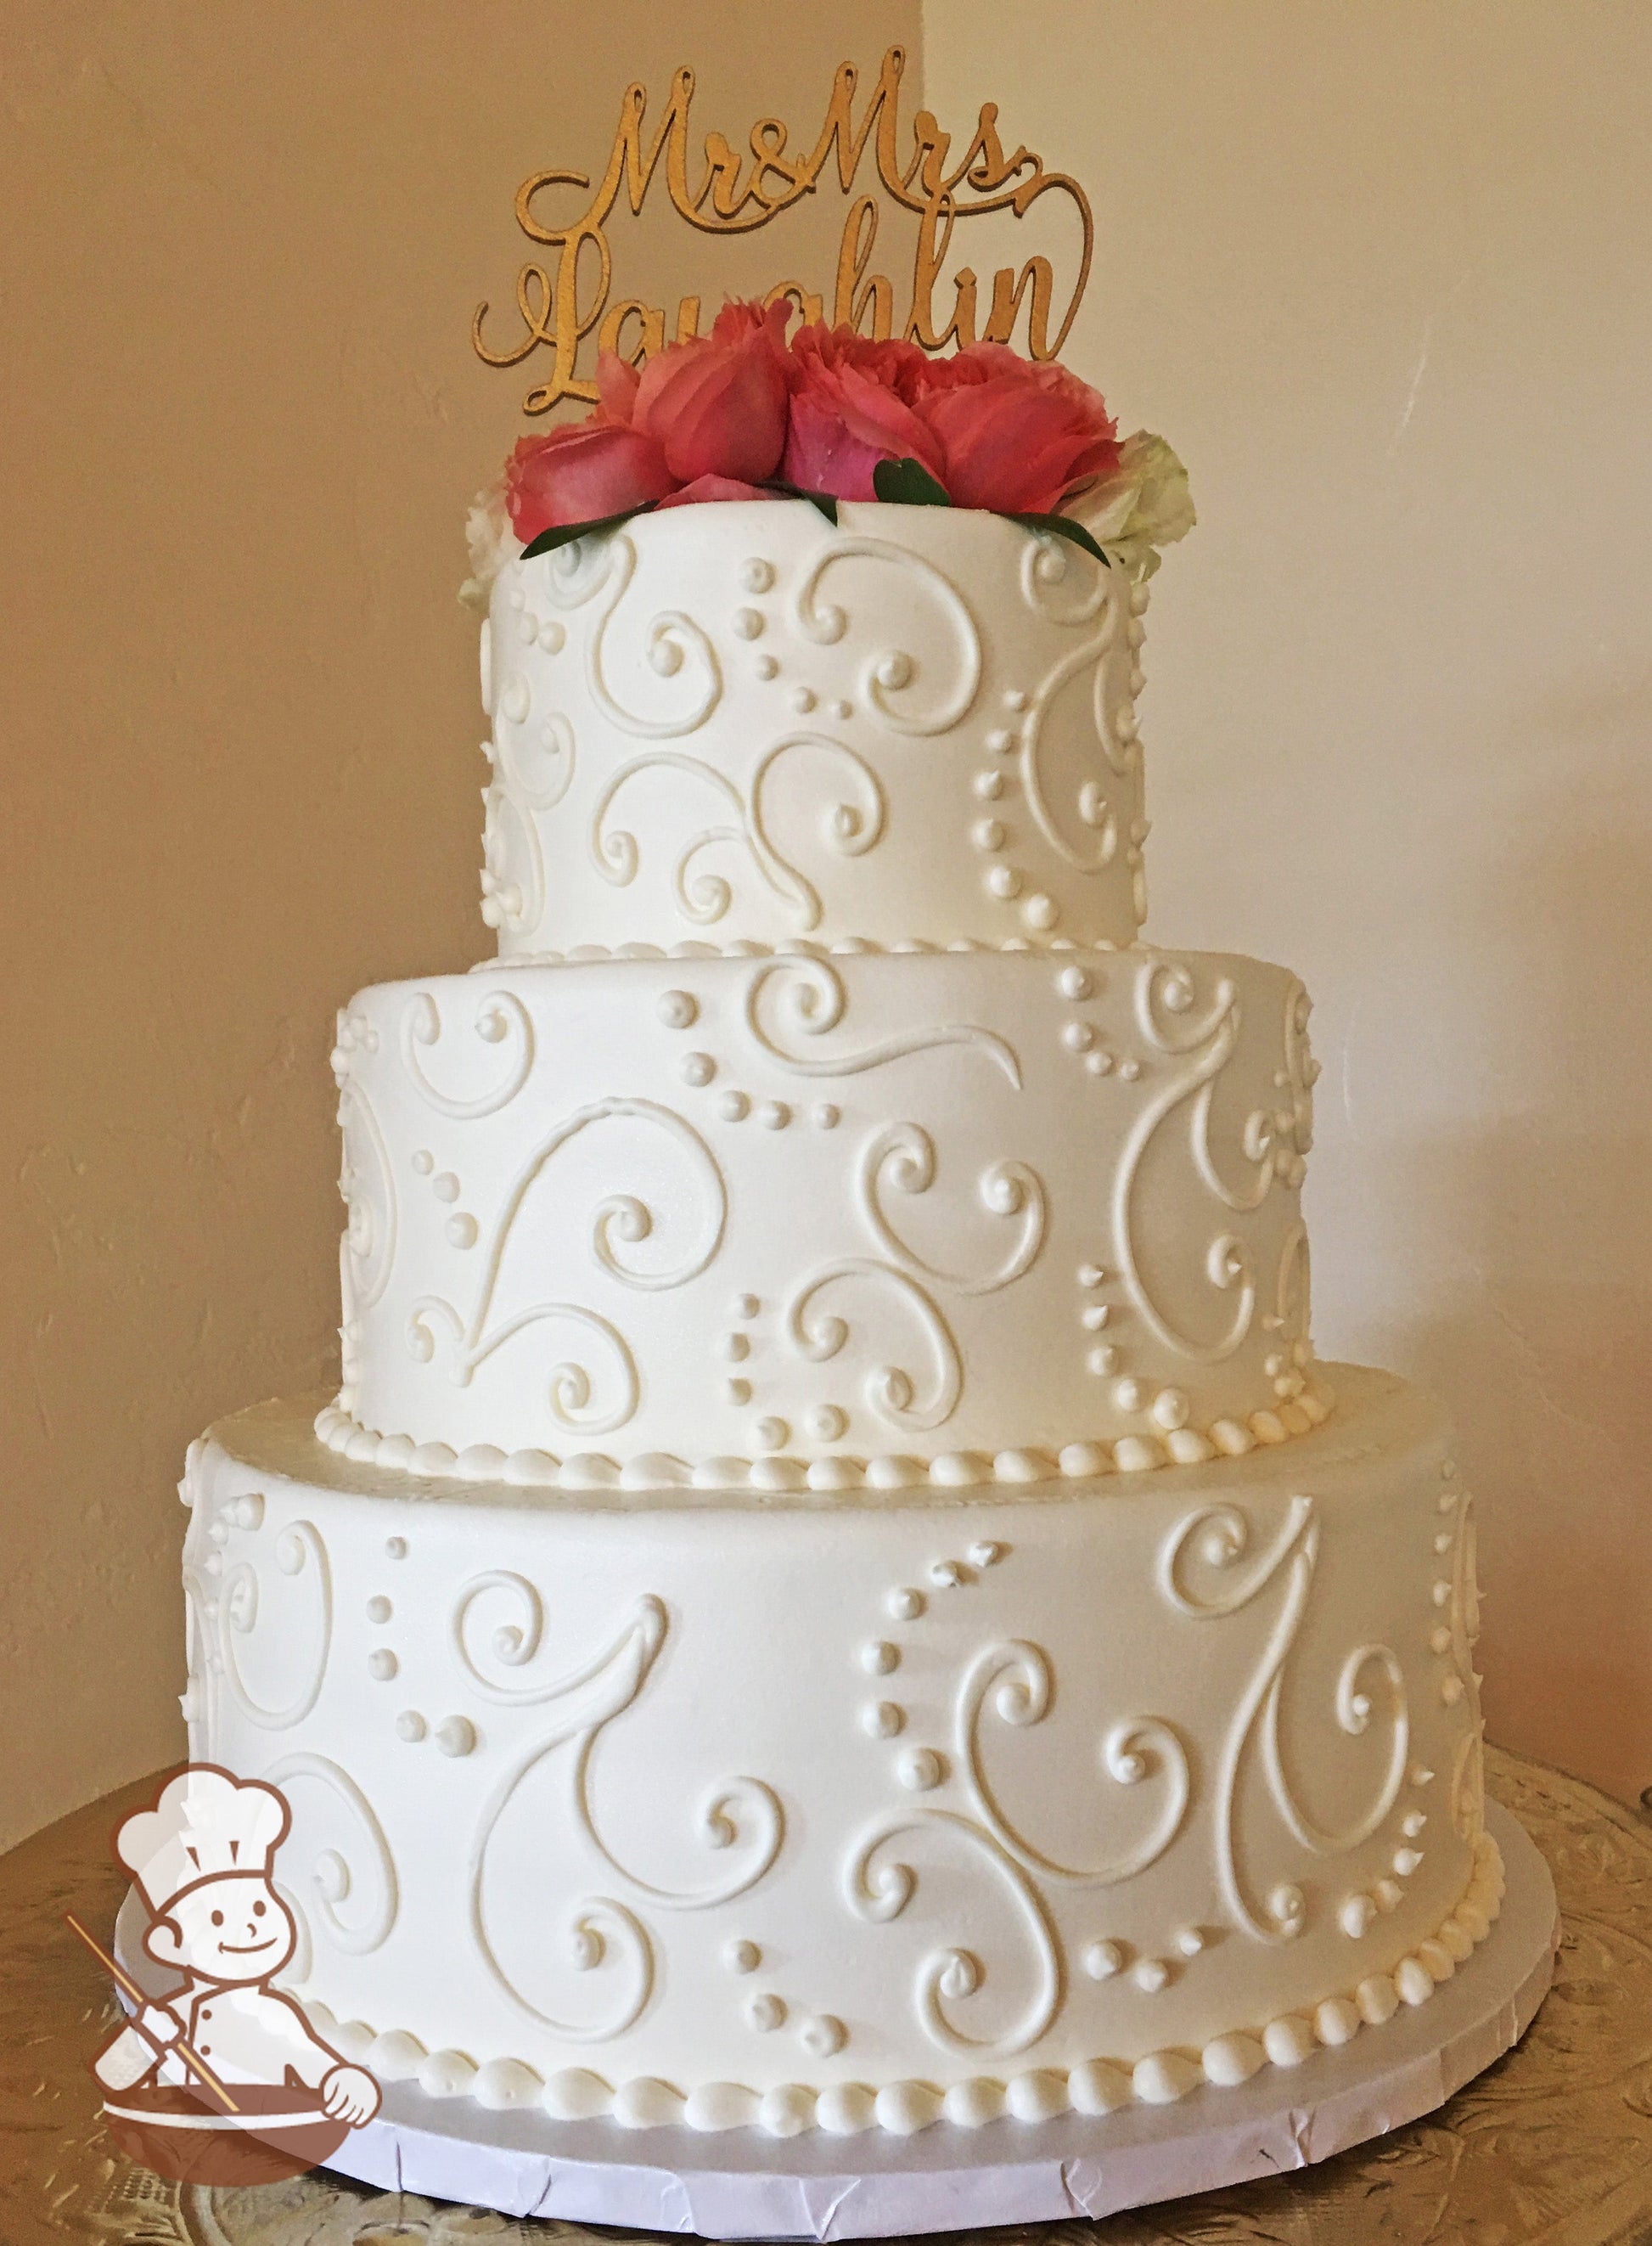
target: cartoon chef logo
<point>221,2078</point>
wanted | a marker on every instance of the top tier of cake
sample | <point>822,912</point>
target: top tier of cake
<point>734,726</point>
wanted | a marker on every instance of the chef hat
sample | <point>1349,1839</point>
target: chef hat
<point>205,1824</point>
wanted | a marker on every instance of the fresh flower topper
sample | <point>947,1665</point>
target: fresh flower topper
<point>741,414</point>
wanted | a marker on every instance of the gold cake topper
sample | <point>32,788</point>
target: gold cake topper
<point>561,303</point>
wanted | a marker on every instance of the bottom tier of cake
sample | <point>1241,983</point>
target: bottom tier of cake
<point>798,1811</point>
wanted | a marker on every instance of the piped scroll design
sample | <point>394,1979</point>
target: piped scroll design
<point>1216,1541</point>
<point>1014,1682</point>
<point>333,1878</point>
<point>903,1156</point>
<point>851,828</point>
<point>1206,1043</point>
<point>553,751</point>
<point>889,673</point>
<point>301,1553</point>
<point>599,1929</point>
<point>891,1391</point>
<point>791,998</point>
<point>622,1221</point>
<point>878,1889</point>
<point>601,569</point>
<point>501,1019</point>
<point>512,865</point>
<point>366,1183</point>
<point>1047,564</point>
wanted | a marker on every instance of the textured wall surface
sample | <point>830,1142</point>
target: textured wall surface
<point>240,252</point>
<point>1378,270</point>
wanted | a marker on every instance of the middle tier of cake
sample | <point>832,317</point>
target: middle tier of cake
<point>853,1219</point>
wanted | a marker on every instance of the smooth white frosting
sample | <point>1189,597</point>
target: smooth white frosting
<point>734,722</point>
<point>789,1811</point>
<point>897,1218</point>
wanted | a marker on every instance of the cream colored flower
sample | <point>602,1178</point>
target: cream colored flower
<point>1144,505</point>
<point>492,543</point>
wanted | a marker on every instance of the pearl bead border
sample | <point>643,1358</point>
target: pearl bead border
<point>342,1433</point>
<point>1098,2086</point>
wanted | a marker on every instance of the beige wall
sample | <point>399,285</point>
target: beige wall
<point>240,248</point>
<point>1380,270</point>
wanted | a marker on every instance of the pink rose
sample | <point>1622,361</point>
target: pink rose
<point>850,409</point>
<point>1014,436</point>
<point>716,405</point>
<point>580,473</point>
<point>714,488</point>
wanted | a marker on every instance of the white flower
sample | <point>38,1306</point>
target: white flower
<point>1144,505</point>
<point>492,543</point>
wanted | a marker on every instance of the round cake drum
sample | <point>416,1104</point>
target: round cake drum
<point>747,2185</point>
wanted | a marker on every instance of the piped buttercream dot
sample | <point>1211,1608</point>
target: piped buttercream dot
<point>765,666</point>
<point>771,1435</point>
<point>1420,1774</point>
<point>1041,911</point>
<point>1439,1638</point>
<point>1231,2059</point>
<point>503,2084</point>
<point>1164,2077</point>
<point>905,1604</point>
<point>382,1665</point>
<point>880,1659</point>
<point>986,1554</point>
<point>822,2035</point>
<point>1074,982</point>
<point>737,1391</point>
<point>1289,2041</point>
<point>1077,1037</point>
<point>1003,882</point>
<point>987,834</point>
<point>826,1423</point>
<point>1406,1861</point>
<point>1078,1461</point>
<point>396,2056</point>
<point>1095,2088</point>
<point>747,623</point>
<point>1456,1939</point>
<point>1436,1959</point>
<point>921,1770</point>
<point>1128,1395</point>
<point>734,1107</point>
<point>1337,2021</point>
<point>971,2104</point>
<point>576,2094</point>
<point>894,670</point>
<point>1388,1895</point>
<point>410,1726</point>
<point>1412,1823</point>
<point>741,1956</point>
<point>903,2108</point>
<point>1354,1915</point>
<point>824,1116</point>
<point>461,1230</point>
<point>786,2111</point>
<point>1038,2095</point>
<point>1413,1981</point>
<point>1451,1690</point>
<point>645,2102</point>
<point>678,1010</point>
<point>446,1188</point>
<point>696,1069</point>
<point>378,1608</point>
<point>735,1346</point>
<point>882,1719</point>
<point>1136,1454</point>
<point>396,1547</point>
<point>845,2109</point>
<point>802,698</point>
<point>456,1735</point>
<point>987,785</point>
<point>1377,1999</point>
<point>756,576</point>
<point>946,1575</point>
<point>774,1115</point>
<point>1191,1941</point>
<point>1150,1975</point>
<point>1171,1408</point>
<point>446,2074</point>
<point>1102,1959</point>
<point>765,2012</point>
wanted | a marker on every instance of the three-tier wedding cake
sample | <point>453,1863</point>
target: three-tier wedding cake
<point>835,1593</point>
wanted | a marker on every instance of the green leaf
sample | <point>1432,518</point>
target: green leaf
<point>1062,526</point>
<point>823,501</point>
<point>908,483</point>
<point>564,533</point>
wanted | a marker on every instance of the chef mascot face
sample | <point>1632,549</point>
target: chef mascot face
<point>201,1859</point>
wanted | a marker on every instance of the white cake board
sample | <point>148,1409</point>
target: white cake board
<point>744,2184</point>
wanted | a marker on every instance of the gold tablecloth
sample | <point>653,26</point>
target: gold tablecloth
<point>1553,2144</point>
